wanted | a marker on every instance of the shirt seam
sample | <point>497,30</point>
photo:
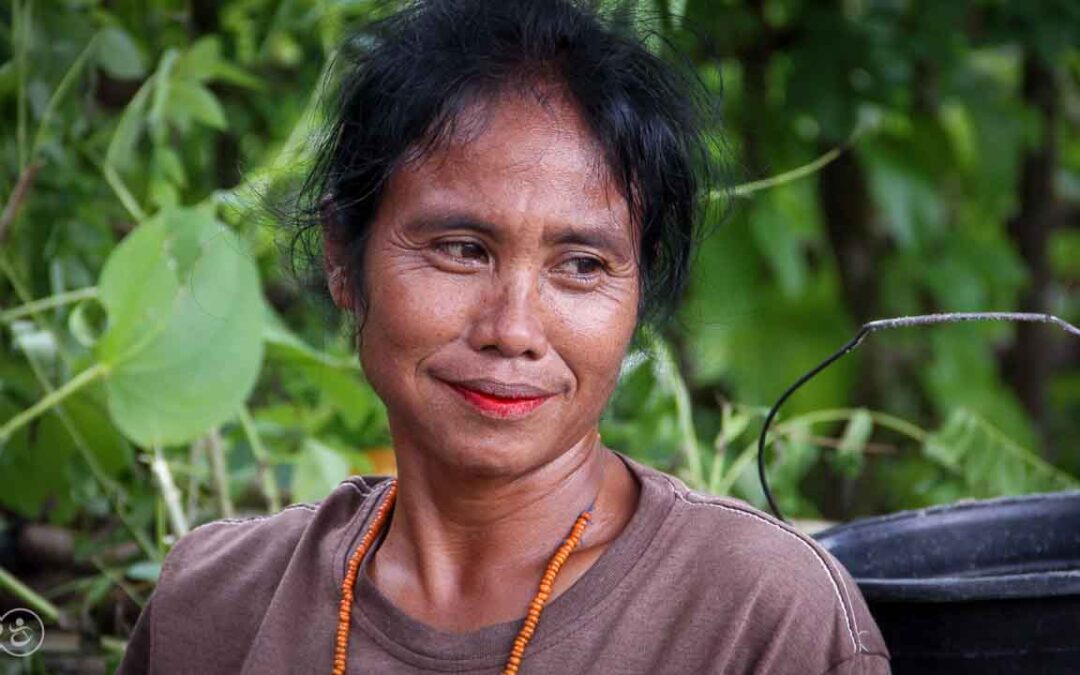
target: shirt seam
<point>306,506</point>
<point>843,596</point>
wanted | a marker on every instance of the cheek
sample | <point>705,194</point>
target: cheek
<point>594,331</point>
<point>412,310</point>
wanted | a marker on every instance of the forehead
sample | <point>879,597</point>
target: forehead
<point>514,158</point>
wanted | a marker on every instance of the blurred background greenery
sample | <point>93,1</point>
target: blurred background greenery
<point>140,136</point>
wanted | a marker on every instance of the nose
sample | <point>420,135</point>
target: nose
<point>510,319</point>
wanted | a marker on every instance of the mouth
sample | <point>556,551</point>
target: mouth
<point>499,399</point>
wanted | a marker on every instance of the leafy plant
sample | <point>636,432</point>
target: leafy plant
<point>159,369</point>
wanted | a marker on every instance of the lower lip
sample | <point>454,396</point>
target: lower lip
<point>503,408</point>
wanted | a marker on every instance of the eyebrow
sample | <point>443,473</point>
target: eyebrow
<point>569,235</point>
<point>591,236</point>
<point>434,224</point>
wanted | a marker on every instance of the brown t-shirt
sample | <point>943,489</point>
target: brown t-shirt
<point>693,584</point>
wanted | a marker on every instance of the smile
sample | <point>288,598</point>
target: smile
<point>500,407</point>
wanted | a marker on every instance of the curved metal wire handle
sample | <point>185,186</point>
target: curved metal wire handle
<point>873,327</point>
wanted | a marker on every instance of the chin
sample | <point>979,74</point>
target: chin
<point>489,460</point>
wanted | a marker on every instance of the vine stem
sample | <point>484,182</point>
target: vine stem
<point>221,476</point>
<point>52,399</point>
<point>808,169</point>
<point>881,419</point>
<point>269,485</point>
<point>123,193</point>
<point>20,590</point>
<point>169,492</point>
<point>746,189</point>
<point>58,300</point>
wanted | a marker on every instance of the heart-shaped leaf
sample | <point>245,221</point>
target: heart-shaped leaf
<point>184,341</point>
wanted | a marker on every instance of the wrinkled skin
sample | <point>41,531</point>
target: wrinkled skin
<point>507,255</point>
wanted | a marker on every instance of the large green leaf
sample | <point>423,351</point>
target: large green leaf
<point>137,288</point>
<point>184,342</point>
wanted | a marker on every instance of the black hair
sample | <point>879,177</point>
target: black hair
<point>421,66</point>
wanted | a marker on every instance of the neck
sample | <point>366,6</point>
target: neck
<point>485,541</point>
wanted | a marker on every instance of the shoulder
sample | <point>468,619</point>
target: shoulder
<point>233,540</point>
<point>256,548</point>
<point>218,580</point>
<point>785,577</point>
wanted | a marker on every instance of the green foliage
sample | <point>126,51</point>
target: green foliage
<point>159,368</point>
<point>849,457</point>
<point>184,342</point>
<point>990,463</point>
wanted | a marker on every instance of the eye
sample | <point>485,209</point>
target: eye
<point>582,268</point>
<point>468,252</point>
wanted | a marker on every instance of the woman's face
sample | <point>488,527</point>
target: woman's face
<point>502,292</point>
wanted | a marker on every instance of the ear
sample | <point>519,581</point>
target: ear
<point>334,263</point>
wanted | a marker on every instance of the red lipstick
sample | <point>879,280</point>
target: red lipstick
<point>502,407</point>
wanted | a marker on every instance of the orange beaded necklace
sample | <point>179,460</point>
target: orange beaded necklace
<point>341,645</point>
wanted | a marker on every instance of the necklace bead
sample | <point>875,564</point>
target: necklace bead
<point>532,617</point>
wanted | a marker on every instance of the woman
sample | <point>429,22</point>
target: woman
<point>509,192</point>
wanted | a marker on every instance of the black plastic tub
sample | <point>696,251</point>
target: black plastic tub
<point>974,587</point>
